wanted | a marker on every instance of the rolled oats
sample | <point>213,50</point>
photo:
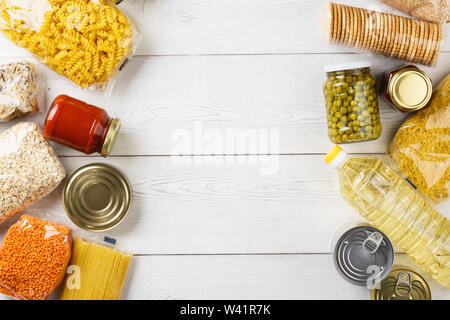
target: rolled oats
<point>29,168</point>
<point>18,90</point>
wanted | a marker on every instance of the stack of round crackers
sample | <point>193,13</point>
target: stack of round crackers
<point>387,34</point>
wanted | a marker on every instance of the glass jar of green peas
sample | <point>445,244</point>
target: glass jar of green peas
<point>352,103</point>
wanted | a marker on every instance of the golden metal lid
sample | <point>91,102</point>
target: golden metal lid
<point>111,137</point>
<point>410,89</point>
<point>402,284</point>
<point>97,197</point>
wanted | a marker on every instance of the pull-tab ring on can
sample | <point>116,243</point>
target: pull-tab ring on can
<point>404,278</point>
<point>372,243</point>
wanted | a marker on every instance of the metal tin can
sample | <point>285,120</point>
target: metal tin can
<point>408,89</point>
<point>363,256</point>
<point>97,197</point>
<point>402,284</point>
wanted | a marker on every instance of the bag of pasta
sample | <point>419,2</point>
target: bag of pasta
<point>421,147</point>
<point>87,41</point>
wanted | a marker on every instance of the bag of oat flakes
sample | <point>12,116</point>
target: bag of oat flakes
<point>22,89</point>
<point>29,168</point>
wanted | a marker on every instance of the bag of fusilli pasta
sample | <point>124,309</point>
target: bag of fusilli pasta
<point>87,41</point>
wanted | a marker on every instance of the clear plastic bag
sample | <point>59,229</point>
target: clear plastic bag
<point>96,271</point>
<point>22,89</point>
<point>29,168</point>
<point>421,147</point>
<point>437,11</point>
<point>34,255</point>
<point>383,33</point>
<point>87,41</point>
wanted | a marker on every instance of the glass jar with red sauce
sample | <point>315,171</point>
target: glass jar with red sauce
<point>407,89</point>
<point>81,126</point>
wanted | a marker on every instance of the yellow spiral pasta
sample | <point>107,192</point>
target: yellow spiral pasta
<point>84,40</point>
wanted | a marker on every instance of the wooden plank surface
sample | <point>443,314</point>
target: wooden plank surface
<point>198,27</point>
<point>159,98</point>
<point>247,277</point>
<point>221,227</point>
<point>224,205</point>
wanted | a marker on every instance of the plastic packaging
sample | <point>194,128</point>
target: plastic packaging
<point>383,33</point>
<point>392,205</point>
<point>87,41</point>
<point>96,272</point>
<point>22,89</point>
<point>421,147</point>
<point>437,11</point>
<point>352,103</point>
<point>29,168</point>
<point>33,258</point>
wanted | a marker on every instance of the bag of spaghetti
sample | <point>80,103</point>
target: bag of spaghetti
<point>421,147</point>
<point>87,41</point>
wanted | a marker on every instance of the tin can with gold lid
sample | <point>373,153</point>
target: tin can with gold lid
<point>408,89</point>
<point>97,197</point>
<point>402,284</point>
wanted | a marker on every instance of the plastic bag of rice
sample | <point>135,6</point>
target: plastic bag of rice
<point>29,168</point>
<point>421,147</point>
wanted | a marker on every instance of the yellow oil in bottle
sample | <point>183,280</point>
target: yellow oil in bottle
<point>392,205</point>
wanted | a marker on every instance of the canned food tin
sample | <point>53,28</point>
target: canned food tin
<point>363,256</point>
<point>402,284</point>
<point>97,197</point>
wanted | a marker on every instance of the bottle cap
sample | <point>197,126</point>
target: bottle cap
<point>335,157</point>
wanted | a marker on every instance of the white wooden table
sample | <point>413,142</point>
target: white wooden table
<point>222,224</point>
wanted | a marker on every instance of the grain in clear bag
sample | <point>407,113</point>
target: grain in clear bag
<point>437,11</point>
<point>421,147</point>
<point>29,168</point>
<point>34,255</point>
<point>383,33</point>
<point>86,41</point>
<point>22,88</point>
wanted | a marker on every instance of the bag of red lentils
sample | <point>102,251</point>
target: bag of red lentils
<point>34,255</point>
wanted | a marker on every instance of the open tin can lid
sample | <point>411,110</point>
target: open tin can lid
<point>402,284</point>
<point>97,197</point>
<point>363,256</point>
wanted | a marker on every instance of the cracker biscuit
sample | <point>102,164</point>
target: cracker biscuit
<point>340,21</point>
<point>331,21</point>
<point>345,25</point>
<point>438,46</point>
<point>364,29</point>
<point>395,37</point>
<point>350,30</point>
<point>431,43</point>
<point>412,41</point>
<point>405,38</point>
<point>389,35</point>
<point>378,32</point>
<point>372,31</point>
<point>383,33</point>
<point>356,27</point>
<point>425,41</point>
<point>419,40</point>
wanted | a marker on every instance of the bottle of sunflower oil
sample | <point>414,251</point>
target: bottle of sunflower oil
<point>392,205</point>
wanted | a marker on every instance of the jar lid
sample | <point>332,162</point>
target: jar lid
<point>97,197</point>
<point>111,137</point>
<point>347,66</point>
<point>402,284</point>
<point>410,89</point>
